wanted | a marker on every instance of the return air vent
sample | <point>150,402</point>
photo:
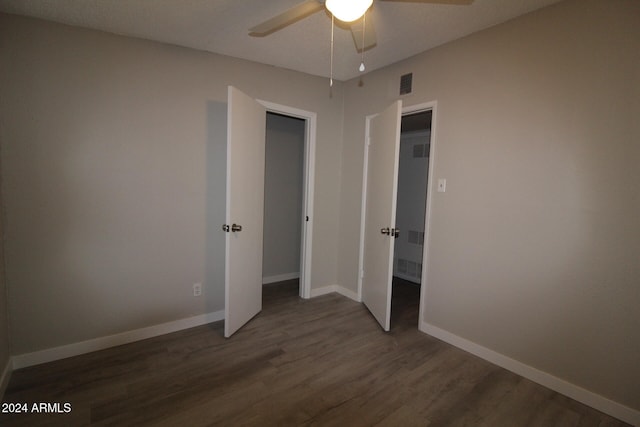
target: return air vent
<point>416,237</point>
<point>420,150</point>
<point>406,82</point>
<point>409,268</point>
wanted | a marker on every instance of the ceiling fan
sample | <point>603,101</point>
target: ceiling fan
<point>347,11</point>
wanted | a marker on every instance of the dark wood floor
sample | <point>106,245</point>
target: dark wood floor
<point>323,361</point>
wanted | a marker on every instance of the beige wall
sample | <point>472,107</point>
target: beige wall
<point>535,246</point>
<point>107,174</point>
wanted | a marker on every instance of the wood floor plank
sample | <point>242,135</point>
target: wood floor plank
<point>318,362</point>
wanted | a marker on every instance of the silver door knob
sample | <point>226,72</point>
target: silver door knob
<point>236,227</point>
<point>385,231</point>
<point>395,232</point>
<point>225,227</point>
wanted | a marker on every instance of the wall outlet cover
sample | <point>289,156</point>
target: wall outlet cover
<point>197,289</point>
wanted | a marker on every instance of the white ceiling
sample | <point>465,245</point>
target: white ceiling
<point>403,29</point>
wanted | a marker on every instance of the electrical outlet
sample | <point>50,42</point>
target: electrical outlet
<point>197,289</point>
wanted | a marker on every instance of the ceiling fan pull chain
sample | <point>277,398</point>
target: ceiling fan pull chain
<point>331,75</point>
<point>364,26</point>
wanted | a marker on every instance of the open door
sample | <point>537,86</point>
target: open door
<point>246,122</point>
<point>380,215</point>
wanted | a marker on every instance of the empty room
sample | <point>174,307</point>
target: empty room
<point>204,212</point>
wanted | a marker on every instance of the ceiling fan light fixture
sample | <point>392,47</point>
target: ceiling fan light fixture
<point>348,10</point>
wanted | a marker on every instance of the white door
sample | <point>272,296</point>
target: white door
<point>380,214</point>
<point>246,121</point>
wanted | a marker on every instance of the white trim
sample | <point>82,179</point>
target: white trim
<point>433,106</point>
<point>323,290</point>
<point>75,349</point>
<point>573,391</point>
<point>309,186</point>
<point>6,376</point>
<point>335,288</point>
<point>307,211</point>
<point>280,278</point>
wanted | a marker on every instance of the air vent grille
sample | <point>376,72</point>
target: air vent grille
<point>416,237</point>
<point>409,268</point>
<point>420,150</point>
<point>406,82</point>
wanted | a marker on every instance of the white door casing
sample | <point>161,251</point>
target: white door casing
<point>246,122</point>
<point>309,184</point>
<point>380,211</point>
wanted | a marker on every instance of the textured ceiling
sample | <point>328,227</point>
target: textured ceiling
<point>403,29</point>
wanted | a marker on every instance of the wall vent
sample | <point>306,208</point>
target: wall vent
<point>406,81</point>
<point>420,150</point>
<point>402,265</point>
<point>409,268</point>
<point>416,237</point>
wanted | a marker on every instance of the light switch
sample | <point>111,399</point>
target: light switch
<point>442,185</point>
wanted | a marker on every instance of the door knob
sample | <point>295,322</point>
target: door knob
<point>236,227</point>
<point>225,227</point>
<point>395,232</point>
<point>385,231</point>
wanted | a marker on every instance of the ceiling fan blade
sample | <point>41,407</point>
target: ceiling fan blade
<point>292,15</point>
<point>369,34</point>
<point>460,2</point>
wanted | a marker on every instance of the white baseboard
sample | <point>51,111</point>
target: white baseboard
<point>335,288</point>
<point>280,278</point>
<point>6,375</point>
<point>75,349</point>
<point>601,403</point>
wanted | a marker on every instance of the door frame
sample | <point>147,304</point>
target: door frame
<point>412,109</point>
<point>308,173</point>
<point>406,110</point>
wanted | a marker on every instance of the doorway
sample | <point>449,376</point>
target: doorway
<point>413,173</point>
<point>283,203</point>
<point>379,229</point>
<point>244,219</point>
<point>308,186</point>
